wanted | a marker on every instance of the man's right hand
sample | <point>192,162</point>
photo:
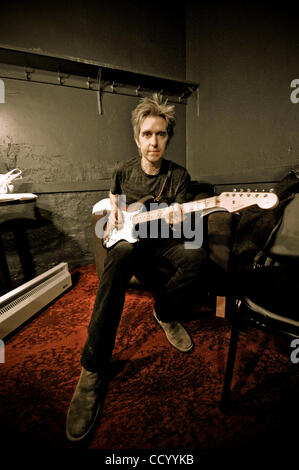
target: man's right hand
<point>115,219</point>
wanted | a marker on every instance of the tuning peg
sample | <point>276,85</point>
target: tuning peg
<point>255,190</point>
<point>241,190</point>
<point>271,190</point>
<point>248,190</point>
<point>235,190</point>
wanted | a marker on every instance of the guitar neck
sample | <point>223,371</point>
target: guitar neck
<point>199,205</point>
<point>187,207</point>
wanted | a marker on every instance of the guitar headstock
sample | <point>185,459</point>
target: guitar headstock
<point>235,201</point>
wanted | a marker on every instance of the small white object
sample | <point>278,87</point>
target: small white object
<point>5,180</point>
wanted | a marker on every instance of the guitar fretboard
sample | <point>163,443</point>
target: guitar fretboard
<point>187,207</point>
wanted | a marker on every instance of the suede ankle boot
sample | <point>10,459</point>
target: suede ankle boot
<point>176,334</point>
<point>85,406</point>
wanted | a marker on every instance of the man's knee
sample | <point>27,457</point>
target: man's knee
<point>193,259</point>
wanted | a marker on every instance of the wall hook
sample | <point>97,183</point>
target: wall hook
<point>181,97</point>
<point>99,95</point>
<point>28,73</point>
<point>89,83</point>
<point>160,94</point>
<point>196,93</point>
<point>113,86</point>
<point>60,79</point>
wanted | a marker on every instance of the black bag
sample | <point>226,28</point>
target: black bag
<point>256,225</point>
<point>286,241</point>
<point>265,256</point>
<point>274,280</point>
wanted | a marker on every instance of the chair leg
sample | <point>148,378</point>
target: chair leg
<point>225,398</point>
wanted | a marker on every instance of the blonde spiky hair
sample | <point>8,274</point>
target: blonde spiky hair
<point>153,107</point>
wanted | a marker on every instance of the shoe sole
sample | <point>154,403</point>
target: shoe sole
<point>173,345</point>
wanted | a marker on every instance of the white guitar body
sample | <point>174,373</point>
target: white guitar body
<point>137,213</point>
<point>126,232</point>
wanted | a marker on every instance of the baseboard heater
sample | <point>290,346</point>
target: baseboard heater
<point>20,304</point>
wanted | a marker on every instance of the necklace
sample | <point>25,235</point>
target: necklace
<point>150,170</point>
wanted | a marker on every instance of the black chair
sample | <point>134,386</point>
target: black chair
<point>270,298</point>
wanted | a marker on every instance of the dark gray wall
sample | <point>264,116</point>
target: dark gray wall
<point>244,57</point>
<point>135,34</point>
<point>55,134</point>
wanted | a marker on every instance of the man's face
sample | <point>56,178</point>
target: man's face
<point>152,139</point>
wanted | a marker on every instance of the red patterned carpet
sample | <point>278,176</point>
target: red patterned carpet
<point>158,398</point>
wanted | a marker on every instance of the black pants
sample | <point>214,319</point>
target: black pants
<point>173,272</point>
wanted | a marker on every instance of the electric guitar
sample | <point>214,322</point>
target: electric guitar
<point>135,214</point>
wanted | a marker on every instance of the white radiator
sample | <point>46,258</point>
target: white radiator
<point>21,303</point>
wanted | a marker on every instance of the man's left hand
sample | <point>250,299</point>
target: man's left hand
<point>175,214</point>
